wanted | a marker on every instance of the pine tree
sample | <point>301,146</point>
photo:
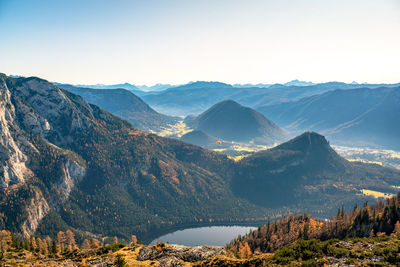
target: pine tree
<point>244,250</point>
<point>45,248</point>
<point>61,238</point>
<point>39,245</point>
<point>54,247</point>
<point>86,245</point>
<point>95,243</point>
<point>396,229</point>
<point>5,240</point>
<point>33,244</point>
<point>133,240</point>
<point>70,240</point>
<point>305,230</point>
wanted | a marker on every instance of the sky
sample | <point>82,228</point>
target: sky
<point>235,41</point>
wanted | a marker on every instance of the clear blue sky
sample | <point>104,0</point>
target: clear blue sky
<point>147,42</point>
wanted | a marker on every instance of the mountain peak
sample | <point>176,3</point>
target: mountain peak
<point>296,82</point>
<point>228,102</point>
<point>201,85</point>
<point>306,142</point>
<point>212,84</point>
<point>231,121</point>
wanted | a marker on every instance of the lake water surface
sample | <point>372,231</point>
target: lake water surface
<point>212,235</point>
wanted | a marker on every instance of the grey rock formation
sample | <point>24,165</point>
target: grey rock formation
<point>169,253</point>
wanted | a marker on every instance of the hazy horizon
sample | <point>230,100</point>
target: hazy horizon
<point>237,42</point>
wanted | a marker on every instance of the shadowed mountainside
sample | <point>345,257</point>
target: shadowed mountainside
<point>124,104</point>
<point>199,138</point>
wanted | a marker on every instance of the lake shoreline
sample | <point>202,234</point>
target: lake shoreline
<point>156,234</point>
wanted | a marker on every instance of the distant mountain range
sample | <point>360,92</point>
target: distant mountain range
<point>291,83</point>
<point>156,87</point>
<point>194,98</point>
<point>138,89</point>
<point>231,121</point>
<point>124,104</point>
<point>353,117</point>
<point>126,86</point>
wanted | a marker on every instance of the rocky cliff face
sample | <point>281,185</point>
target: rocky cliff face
<point>24,114</point>
<point>13,170</point>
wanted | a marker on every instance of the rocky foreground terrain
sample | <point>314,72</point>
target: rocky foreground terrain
<point>377,251</point>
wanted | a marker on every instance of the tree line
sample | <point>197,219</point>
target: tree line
<point>366,221</point>
<point>64,244</point>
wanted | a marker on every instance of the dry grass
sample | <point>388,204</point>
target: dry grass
<point>364,161</point>
<point>376,194</point>
<point>176,130</point>
<point>130,255</point>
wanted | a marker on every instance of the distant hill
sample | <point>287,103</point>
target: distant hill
<point>193,98</point>
<point>137,89</point>
<point>189,98</point>
<point>124,104</point>
<point>126,86</point>
<point>230,121</point>
<point>200,138</point>
<point>360,116</point>
<point>307,172</point>
<point>156,87</point>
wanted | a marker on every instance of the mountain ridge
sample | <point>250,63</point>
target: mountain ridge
<point>186,100</point>
<point>361,116</point>
<point>126,105</point>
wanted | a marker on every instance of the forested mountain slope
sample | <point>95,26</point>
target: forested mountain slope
<point>305,173</point>
<point>361,221</point>
<point>69,164</point>
<point>124,104</point>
